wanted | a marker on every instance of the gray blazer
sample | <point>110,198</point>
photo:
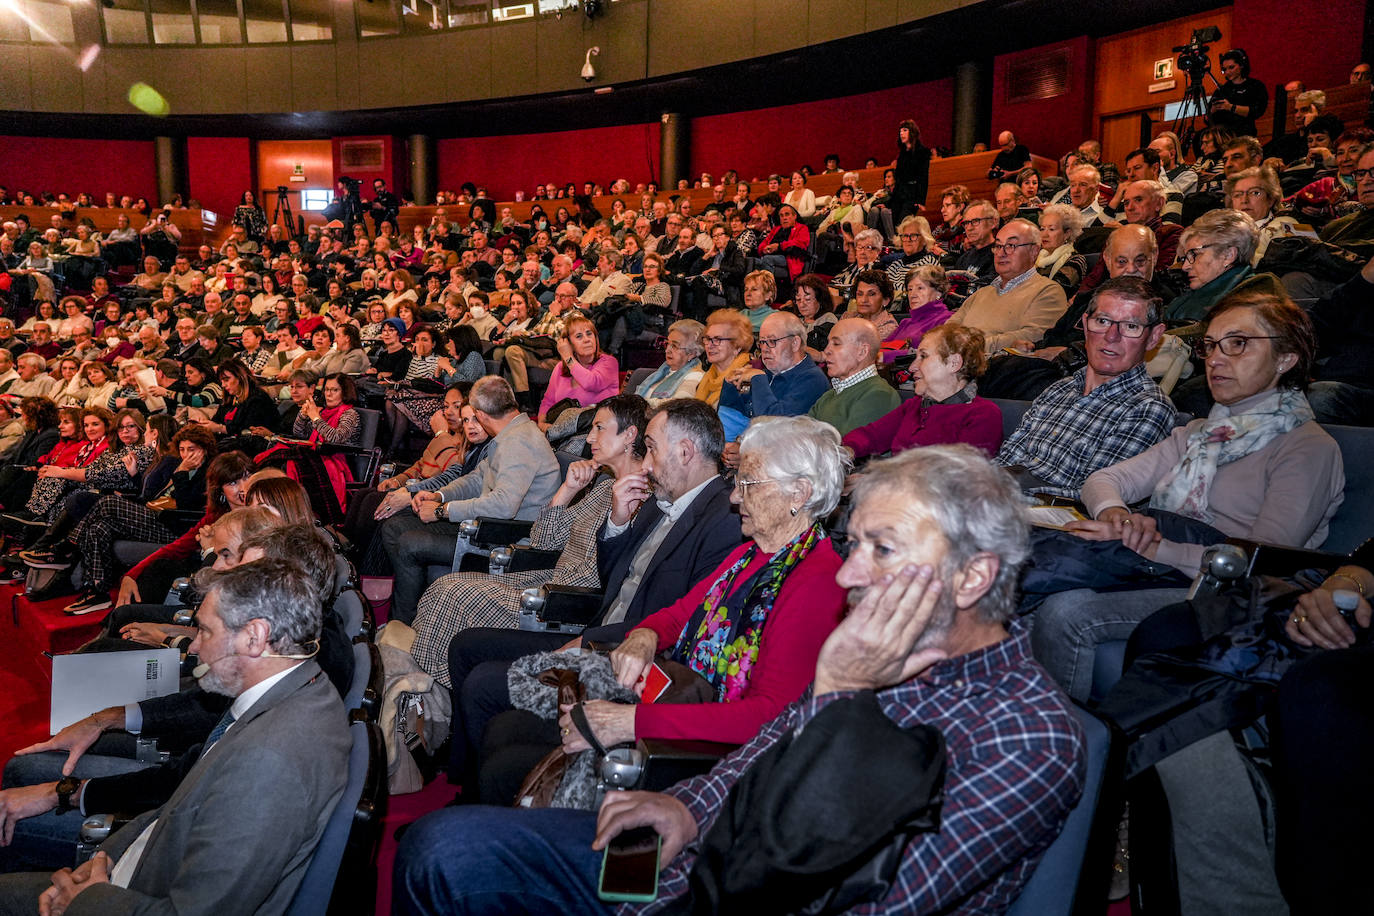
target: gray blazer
<point>516,478</point>
<point>239,831</point>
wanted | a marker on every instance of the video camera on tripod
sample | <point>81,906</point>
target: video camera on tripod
<point>1192,57</point>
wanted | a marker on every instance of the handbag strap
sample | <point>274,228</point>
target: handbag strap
<point>579,719</point>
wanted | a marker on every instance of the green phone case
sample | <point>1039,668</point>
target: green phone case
<point>613,897</point>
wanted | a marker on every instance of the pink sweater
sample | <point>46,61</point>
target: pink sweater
<point>588,385</point>
<point>807,608</point>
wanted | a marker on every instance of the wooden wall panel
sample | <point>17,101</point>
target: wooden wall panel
<point>1125,62</point>
<point>277,159</point>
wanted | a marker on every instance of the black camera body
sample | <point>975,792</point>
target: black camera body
<point>1192,57</point>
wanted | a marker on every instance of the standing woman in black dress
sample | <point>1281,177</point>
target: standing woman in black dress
<point>911,170</point>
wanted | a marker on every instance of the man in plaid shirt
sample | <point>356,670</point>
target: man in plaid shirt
<point>1107,411</point>
<point>937,537</point>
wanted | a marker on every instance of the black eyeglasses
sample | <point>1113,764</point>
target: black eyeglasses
<point>1009,247</point>
<point>1230,345</point>
<point>1101,324</point>
<point>1361,174</point>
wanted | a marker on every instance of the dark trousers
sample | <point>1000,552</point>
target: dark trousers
<point>478,659</point>
<point>1322,732</point>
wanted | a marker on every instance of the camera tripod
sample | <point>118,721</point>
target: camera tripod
<point>1193,105</point>
<point>283,211</point>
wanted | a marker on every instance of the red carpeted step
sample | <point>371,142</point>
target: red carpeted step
<point>42,625</point>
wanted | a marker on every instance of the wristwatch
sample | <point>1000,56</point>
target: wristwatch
<point>439,513</point>
<point>66,788</point>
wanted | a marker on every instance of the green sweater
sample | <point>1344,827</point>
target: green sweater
<point>856,406</point>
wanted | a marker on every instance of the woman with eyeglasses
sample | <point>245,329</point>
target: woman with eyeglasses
<point>1257,467</point>
<point>1256,193</point>
<point>729,338</point>
<point>749,631</point>
<point>1215,253</point>
<point>681,371</point>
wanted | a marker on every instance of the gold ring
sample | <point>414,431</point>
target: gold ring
<point>1298,618</point>
<point>565,733</point>
<point>1127,521</point>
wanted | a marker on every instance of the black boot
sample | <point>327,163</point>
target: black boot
<point>57,532</point>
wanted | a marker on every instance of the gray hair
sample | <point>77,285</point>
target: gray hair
<point>35,359</point>
<point>1228,228</point>
<point>307,545</point>
<point>688,418</point>
<point>275,590</point>
<point>977,507</point>
<point>1070,218</point>
<point>492,395</point>
<point>693,331</point>
<point>869,235</point>
<point>801,448</point>
<point>1265,175</point>
<point>1154,188</point>
<point>1087,167</point>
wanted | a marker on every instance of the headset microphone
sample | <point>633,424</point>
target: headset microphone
<point>199,671</point>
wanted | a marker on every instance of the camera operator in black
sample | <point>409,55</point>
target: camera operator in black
<point>385,206</point>
<point>1240,99</point>
<point>347,206</point>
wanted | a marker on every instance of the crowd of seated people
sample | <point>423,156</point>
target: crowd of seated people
<point>489,359</point>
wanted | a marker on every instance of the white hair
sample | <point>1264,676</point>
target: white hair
<point>1070,219</point>
<point>801,448</point>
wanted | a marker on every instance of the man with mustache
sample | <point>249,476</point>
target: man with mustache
<point>936,538</point>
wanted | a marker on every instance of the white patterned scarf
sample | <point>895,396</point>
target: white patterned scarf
<point>1221,440</point>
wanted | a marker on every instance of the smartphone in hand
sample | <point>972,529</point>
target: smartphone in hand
<point>629,868</point>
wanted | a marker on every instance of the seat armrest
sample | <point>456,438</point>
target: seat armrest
<point>1277,560</point>
<point>520,558</point>
<point>488,532</point>
<point>670,761</point>
<point>559,608</point>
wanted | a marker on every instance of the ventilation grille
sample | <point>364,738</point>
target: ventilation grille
<point>1043,75</point>
<point>362,155</point>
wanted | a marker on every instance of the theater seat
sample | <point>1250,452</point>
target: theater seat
<point>1070,870</point>
<point>343,871</point>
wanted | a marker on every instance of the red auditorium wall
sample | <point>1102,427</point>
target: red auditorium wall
<point>218,171</point>
<point>755,143</point>
<point>1048,126</point>
<point>511,163</point>
<point>38,164</point>
<point>1288,41</point>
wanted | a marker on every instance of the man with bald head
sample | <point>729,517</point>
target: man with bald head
<point>1010,159</point>
<point>536,346</point>
<point>857,395</point>
<point>1020,304</point>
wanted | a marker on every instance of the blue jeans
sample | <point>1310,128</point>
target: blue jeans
<point>48,841</point>
<point>505,861</point>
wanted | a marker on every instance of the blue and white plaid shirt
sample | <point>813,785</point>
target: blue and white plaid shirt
<point>1066,434</point>
<point>1016,768</point>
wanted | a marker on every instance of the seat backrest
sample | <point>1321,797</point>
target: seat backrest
<point>362,672</point>
<point>1054,885</point>
<point>312,897</point>
<point>1351,526</point>
<point>1012,412</point>
<point>636,378</point>
<point>372,419</point>
<point>352,610</point>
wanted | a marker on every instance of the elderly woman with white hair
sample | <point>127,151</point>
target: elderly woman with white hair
<point>751,629</point>
<point>868,245</point>
<point>1060,227</point>
<point>681,371</point>
<point>1215,252</point>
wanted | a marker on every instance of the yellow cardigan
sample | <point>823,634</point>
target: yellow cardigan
<point>709,388</point>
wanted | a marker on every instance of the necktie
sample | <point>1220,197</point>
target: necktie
<point>218,731</point>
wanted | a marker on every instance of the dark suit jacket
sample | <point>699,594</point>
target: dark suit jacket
<point>247,818</point>
<point>697,544</point>
<point>682,263</point>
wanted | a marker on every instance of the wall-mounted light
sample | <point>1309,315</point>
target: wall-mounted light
<point>588,71</point>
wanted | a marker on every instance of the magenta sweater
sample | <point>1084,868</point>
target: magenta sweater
<point>589,384</point>
<point>979,423</point>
